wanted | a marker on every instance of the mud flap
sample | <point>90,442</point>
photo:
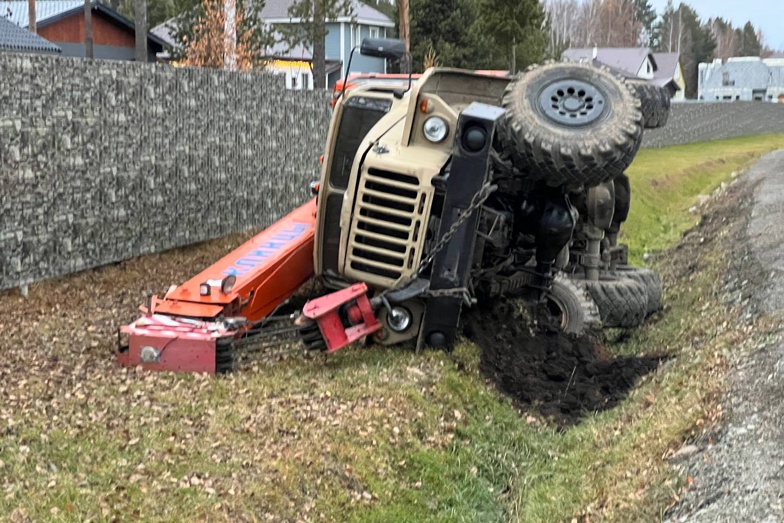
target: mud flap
<point>452,266</point>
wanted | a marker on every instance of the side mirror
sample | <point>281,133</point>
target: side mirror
<point>389,48</point>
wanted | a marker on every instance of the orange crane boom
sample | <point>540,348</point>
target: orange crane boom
<point>181,331</point>
<point>267,269</point>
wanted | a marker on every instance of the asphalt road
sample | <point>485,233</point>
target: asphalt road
<point>740,477</point>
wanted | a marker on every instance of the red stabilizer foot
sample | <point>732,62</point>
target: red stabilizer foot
<point>162,343</point>
<point>325,312</point>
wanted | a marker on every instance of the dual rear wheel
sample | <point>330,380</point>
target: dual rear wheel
<point>623,298</point>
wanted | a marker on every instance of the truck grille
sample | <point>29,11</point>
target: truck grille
<point>388,224</point>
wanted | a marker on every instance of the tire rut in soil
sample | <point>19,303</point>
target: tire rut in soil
<point>563,377</point>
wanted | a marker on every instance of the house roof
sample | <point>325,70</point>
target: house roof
<point>668,65</point>
<point>50,11</point>
<point>164,32</point>
<point>14,38</point>
<point>749,74</point>
<point>281,50</point>
<point>278,11</point>
<point>627,59</point>
<point>45,10</point>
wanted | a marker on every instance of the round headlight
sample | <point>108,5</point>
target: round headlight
<point>435,129</point>
<point>228,283</point>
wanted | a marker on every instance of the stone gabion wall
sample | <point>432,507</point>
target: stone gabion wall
<point>102,161</point>
<point>704,121</point>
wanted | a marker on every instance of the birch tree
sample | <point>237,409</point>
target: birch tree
<point>563,19</point>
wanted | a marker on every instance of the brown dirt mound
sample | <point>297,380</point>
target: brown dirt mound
<point>562,377</point>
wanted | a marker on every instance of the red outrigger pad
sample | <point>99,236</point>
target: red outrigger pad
<point>180,332</point>
<point>325,311</point>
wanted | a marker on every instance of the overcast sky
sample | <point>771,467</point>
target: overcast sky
<point>765,14</point>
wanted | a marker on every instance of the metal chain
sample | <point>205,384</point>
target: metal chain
<point>265,346</point>
<point>459,292</point>
<point>476,202</point>
<point>502,164</point>
<point>256,348</point>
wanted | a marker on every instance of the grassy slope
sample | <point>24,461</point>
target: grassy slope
<point>665,183</point>
<point>379,435</point>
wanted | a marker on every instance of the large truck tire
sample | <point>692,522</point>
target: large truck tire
<point>623,198</point>
<point>570,124</point>
<point>622,302</point>
<point>576,310</point>
<point>650,279</point>
<point>666,100</point>
<point>654,102</point>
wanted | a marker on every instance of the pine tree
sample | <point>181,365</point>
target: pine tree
<point>680,31</point>
<point>516,28</point>
<point>158,11</point>
<point>665,31</point>
<point>749,43</point>
<point>449,28</point>
<point>645,14</point>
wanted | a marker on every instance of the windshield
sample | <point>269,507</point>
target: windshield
<point>360,114</point>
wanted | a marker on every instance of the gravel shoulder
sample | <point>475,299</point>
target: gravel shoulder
<point>738,471</point>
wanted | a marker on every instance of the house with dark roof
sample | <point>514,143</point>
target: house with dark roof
<point>631,61</point>
<point>669,74</point>
<point>747,78</point>
<point>343,34</point>
<point>14,39</point>
<point>662,69</point>
<point>62,22</point>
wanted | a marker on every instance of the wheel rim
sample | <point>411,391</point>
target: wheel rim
<point>557,312</point>
<point>572,103</point>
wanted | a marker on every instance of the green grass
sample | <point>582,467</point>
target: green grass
<point>381,435</point>
<point>666,182</point>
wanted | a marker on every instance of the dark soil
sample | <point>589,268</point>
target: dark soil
<point>562,377</point>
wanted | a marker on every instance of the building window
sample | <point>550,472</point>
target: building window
<point>374,32</point>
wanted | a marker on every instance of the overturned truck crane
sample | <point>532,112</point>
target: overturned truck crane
<point>458,188</point>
